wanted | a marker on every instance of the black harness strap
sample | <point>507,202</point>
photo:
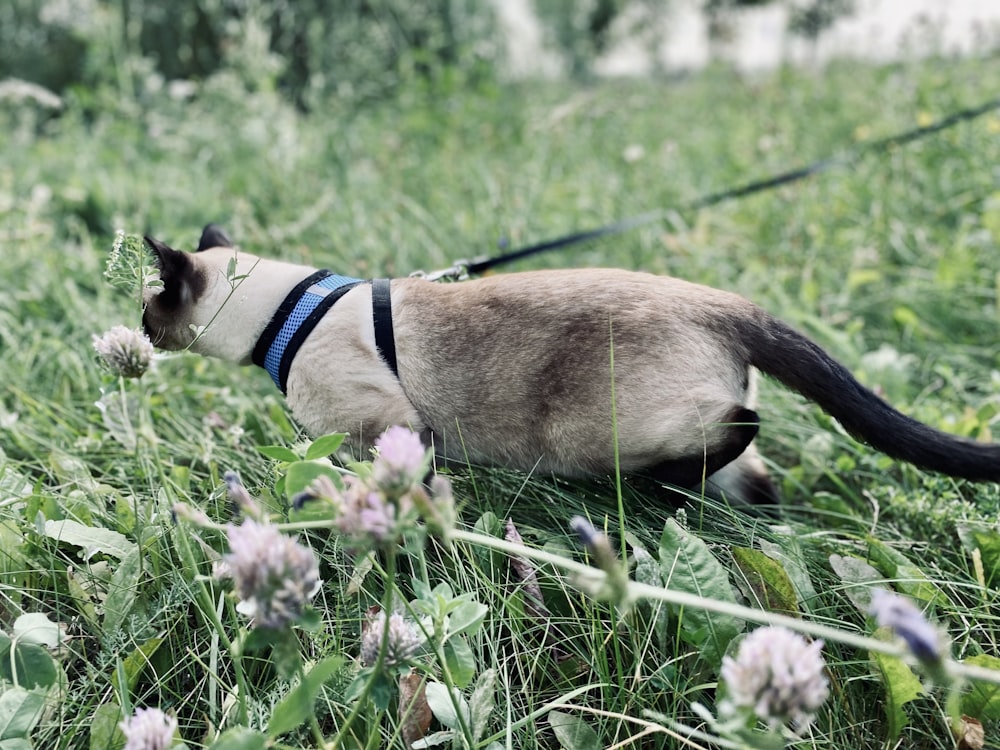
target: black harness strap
<point>385,341</point>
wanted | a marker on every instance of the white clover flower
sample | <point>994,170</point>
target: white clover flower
<point>149,729</point>
<point>124,351</point>
<point>400,462</point>
<point>908,622</point>
<point>777,675</point>
<point>274,575</point>
<point>402,640</point>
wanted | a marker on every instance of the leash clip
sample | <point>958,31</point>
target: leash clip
<point>458,271</point>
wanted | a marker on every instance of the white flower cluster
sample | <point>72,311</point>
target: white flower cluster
<point>124,351</point>
<point>401,638</point>
<point>274,575</point>
<point>777,675</point>
<point>149,729</point>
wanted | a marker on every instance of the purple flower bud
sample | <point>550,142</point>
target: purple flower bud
<point>401,459</point>
<point>908,622</point>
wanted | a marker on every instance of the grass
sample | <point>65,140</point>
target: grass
<point>892,264</point>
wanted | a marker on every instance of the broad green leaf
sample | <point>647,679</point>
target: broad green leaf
<point>104,730</point>
<point>297,706</point>
<point>324,446</point>
<point>906,577</point>
<point>771,585</point>
<point>17,743</point>
<point>278,453</point>
<point>94,540</point>
<point>466,617</point>
<point>688,565</point>
<point>31,666</point>
<point>901,686</point>
<point>20,710</point>
<point>983,699</point>
<point>856,575</point>
<point>135,663</point>
<point>37,628</point>
<point>122,590</point>
<point>573,732</point>
<point>460,660</point>
<point>482,701</point>
<point>446,705</point>
<point>789,554</point>
<point>240,738</point>
<point>301,474</point>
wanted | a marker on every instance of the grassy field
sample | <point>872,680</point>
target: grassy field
<point>892,263</point>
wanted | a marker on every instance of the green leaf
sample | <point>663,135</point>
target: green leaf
<point>38,629</point>
<point>20,710</point>
<point>122,590</point>
<point>906,577</point>
<point>768,580</point>
<point>324,446</point>
<point>573,732</point>
<point>135,663</point>
<point>856,575</point>
<point>278,453</point>
<point>446,705</point>
<point>104,730</point>
<point>901,686</point>
<point>301,474</point>
<point>460,660</point>
<point>31,667</point>
<point>240,738</point>
<point>688,565</point>
<point>983,699</point>
<point>17,743</point>
<point>466,618</point>
<point>297,706</point>
<point>93,539</point>
<point>987,541</point>
<point>481,703</point>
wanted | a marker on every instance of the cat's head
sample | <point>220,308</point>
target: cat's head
<point>214,301</point>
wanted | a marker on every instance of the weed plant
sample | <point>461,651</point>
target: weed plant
<point>108,602</point>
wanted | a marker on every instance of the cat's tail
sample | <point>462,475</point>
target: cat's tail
<point>781,352</point>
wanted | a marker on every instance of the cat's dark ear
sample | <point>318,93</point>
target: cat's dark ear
<point>182,281</point>
<point>213,236</point>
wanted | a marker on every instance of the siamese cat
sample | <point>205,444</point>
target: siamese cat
<point>538,371</point>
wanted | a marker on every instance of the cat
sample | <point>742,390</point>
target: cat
<point>538,371</point>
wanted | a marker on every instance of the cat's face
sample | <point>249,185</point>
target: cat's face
<point>215,301</point>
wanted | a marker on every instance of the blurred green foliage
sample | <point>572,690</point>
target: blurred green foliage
<point>308,49</point>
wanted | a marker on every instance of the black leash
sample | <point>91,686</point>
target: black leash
<point>463,269</point>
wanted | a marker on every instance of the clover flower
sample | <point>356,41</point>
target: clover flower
<point>400,462</point>
<point>367,513</point>
<point>402,640</point>
<point>274,575</point>
<point>124,351</point>
<point>908,622</point>
<point>777,675</point>
<point>378,507</point>
<point>149,729</point>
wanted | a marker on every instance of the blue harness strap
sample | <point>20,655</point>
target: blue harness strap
<point>304,307</point>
